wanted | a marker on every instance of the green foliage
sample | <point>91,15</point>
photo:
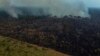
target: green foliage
<point>10,47</point>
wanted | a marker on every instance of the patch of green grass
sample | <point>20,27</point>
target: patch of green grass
<point>12,47</point>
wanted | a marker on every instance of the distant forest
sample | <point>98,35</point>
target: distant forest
<point>71,34</point>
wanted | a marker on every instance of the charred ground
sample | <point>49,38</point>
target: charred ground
<point>73,35</point>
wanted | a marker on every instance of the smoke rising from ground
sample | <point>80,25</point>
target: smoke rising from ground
<point>57,8</point>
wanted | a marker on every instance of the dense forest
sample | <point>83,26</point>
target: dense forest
<point>71,34</point>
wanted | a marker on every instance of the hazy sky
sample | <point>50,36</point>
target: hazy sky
<point>89,3</point>
<point>92,3</point>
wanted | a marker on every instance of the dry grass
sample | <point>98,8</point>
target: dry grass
<point>12,47</point>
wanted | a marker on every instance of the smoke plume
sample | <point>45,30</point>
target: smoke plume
<point>57,8</point>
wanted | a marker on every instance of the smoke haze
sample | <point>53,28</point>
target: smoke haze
<point>57,8</point>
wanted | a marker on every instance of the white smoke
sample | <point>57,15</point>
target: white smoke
<point>58,8</point>
<point>8,7</point>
